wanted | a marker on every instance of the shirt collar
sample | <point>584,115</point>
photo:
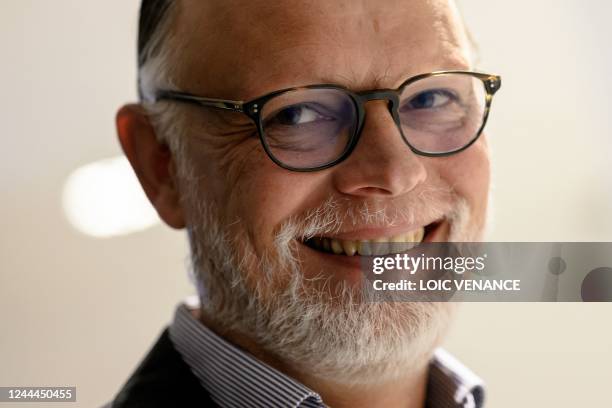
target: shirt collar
<point>235,378</point>
<point>451,384</point>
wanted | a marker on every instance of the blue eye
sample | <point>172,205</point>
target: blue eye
<point>432,99</point>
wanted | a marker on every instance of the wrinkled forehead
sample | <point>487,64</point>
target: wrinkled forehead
<point>241,49</point>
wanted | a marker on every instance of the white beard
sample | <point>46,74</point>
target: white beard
<point>344,338</point>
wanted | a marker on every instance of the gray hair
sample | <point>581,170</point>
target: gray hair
<point>157,47</point>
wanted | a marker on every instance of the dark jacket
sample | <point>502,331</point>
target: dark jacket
<point>163,379</point>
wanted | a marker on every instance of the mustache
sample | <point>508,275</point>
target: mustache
<point>429,203</point>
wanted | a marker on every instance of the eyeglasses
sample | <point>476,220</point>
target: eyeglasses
<point>315,127</point>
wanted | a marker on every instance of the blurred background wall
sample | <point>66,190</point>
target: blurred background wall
<point>82,308</point>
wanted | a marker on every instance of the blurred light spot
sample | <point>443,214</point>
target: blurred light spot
<point>105,199</point>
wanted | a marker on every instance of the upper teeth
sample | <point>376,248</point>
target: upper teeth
<point>378,246</point>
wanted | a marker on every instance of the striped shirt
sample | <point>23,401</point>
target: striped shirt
<point>234,378</point>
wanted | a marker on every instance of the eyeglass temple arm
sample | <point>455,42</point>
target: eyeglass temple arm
<point>236,106</point>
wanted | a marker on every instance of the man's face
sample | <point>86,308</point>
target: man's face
<point>241,50</point>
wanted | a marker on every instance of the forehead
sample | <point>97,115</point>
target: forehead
<point>242,49</point>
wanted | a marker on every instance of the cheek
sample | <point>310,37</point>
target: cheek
<point>269,197</point>
<point>468,172</point>
<point>256,196</point>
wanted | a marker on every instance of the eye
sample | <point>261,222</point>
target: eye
<point>296,115</point>
<point>431,99</point>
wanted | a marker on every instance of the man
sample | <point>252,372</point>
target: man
<point>283,184</point>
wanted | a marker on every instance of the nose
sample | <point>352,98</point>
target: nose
<point>382,164</point>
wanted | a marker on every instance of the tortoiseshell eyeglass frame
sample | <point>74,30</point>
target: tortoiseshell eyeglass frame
<point>253,109</point>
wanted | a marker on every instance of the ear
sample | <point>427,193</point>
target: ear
<point>152,162</point>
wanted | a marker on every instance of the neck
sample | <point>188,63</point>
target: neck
<point>407,391</point>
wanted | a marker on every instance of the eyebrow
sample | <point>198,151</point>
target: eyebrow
<point>349,79</point>
<point>379,80</point>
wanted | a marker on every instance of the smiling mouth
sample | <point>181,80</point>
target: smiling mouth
<point>379,246</point>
